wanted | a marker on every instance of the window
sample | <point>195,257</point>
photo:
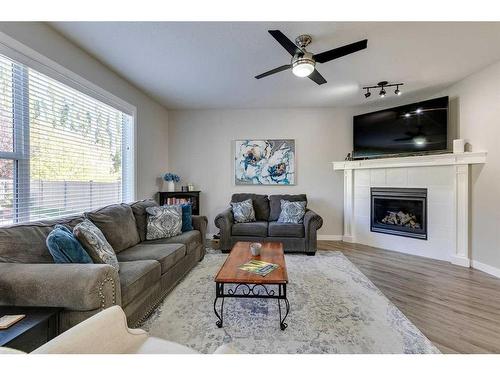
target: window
<point>62,152</point>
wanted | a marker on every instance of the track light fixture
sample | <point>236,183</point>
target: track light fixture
<point>382,86</point>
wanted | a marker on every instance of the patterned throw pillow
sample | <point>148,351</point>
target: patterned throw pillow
<point>292,212</point>
<point>95,243</point>
<point>243,211</point>
<point>163,222</point>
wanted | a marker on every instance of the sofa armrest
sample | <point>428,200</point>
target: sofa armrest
<point>200,223</point>
<point>312,222</point>
<point>80,287</point>
<point>224,221</point>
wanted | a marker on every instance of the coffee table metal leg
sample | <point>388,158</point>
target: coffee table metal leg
<point>282,296</point>
<point>219,292</point>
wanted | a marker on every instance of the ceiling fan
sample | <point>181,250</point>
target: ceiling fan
<point>303,62</point>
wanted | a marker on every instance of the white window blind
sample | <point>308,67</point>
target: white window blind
<point>62,152</point>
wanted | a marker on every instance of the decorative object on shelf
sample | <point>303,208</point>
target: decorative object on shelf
<point>382,86</point>
<point>170,179</point>
<point>348,157</point>
<point>190,187</point>
<point>264,162</point>
<point>458,146</point>
<point>181,197</point>
<point>185,188</point>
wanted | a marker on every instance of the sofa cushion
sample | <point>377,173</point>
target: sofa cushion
<point>166,254</point>
<point>260,204</point>
<point>292,212</point>
<point>243,211</point>
<point>254,229</point>
<point>286,230</point>
<point>163,222</point>
<point>136,277</point>
<point>95,244</point>
<point>275,203</point>
<point>141,216</point>
<point>64,247</point>
<point>25,243</point>
<point>187,217</point>
<point>117,223</point>
<point>191,240</point>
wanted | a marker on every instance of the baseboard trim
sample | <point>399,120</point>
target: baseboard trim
<point>493,271</point>
<point>460,261</point>
<point>348,239</point>
<point>329,237</point>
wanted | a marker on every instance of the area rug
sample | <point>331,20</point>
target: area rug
<point>334,308</point>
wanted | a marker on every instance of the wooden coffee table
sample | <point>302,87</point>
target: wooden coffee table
<point>231,282</point>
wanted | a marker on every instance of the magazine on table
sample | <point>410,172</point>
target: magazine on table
<point>258,267</point>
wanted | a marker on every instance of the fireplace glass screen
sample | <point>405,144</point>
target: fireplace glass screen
<point>399,211</point>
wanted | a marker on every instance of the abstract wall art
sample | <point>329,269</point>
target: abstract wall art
<point>264,162</point>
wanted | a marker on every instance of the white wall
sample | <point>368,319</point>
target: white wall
<point>152,118</point>
<point>477,98</point>
<point>200,150</point>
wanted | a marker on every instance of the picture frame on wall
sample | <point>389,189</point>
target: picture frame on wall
<point>264,162</point>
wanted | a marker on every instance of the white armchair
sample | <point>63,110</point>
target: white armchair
<point>107,333</point>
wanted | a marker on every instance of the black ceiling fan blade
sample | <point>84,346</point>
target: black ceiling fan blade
<point>285,42</point>
<point>340,51</point>
<point>316,77</point>
<point>273,71</point>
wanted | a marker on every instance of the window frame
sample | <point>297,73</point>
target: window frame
<point>30,58</point>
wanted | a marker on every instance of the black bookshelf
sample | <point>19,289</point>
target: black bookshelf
<point>191,196</point>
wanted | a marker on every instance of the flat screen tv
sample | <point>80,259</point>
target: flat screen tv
<point>408,129</point>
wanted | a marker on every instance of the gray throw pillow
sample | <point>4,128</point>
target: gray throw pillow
<point>163,222</point>
<point>243,211</point>
<point>292,212</point>
<point>95,243</point>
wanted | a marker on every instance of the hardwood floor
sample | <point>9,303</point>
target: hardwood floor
<point>457,308</point>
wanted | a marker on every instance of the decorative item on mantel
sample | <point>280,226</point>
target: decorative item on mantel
<point>169,180</point>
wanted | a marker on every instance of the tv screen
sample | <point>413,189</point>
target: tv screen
<point>413,128</point>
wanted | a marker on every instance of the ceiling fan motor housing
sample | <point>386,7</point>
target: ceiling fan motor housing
<point>303,58</point>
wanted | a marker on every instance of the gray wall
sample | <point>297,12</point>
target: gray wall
<point>152,118</point>
<point>200,150</point>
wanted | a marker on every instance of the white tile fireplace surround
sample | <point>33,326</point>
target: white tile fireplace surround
<point>446,178</point>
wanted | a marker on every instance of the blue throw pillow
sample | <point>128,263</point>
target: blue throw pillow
<point>187,217</point>
<point>65,248</point>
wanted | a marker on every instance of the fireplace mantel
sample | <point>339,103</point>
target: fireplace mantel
<point>476,157</point>
<point>446,176</point>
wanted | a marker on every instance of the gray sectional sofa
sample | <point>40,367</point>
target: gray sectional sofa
<point>295,237</point>
<point>148,269</point>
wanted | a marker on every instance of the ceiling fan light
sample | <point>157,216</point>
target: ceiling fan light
<point>303,68</point>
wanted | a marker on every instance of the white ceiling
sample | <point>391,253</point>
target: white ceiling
<point>213,64</point>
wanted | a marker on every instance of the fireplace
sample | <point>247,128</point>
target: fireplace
<point>399,211</point>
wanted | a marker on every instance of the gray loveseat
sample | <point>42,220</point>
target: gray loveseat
<point>295,237</point>
<point>148,269</point>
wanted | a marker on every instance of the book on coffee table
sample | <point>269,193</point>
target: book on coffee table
<point>258,267</point>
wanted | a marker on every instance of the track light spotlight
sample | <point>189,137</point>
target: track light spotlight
<point>383,85</point>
